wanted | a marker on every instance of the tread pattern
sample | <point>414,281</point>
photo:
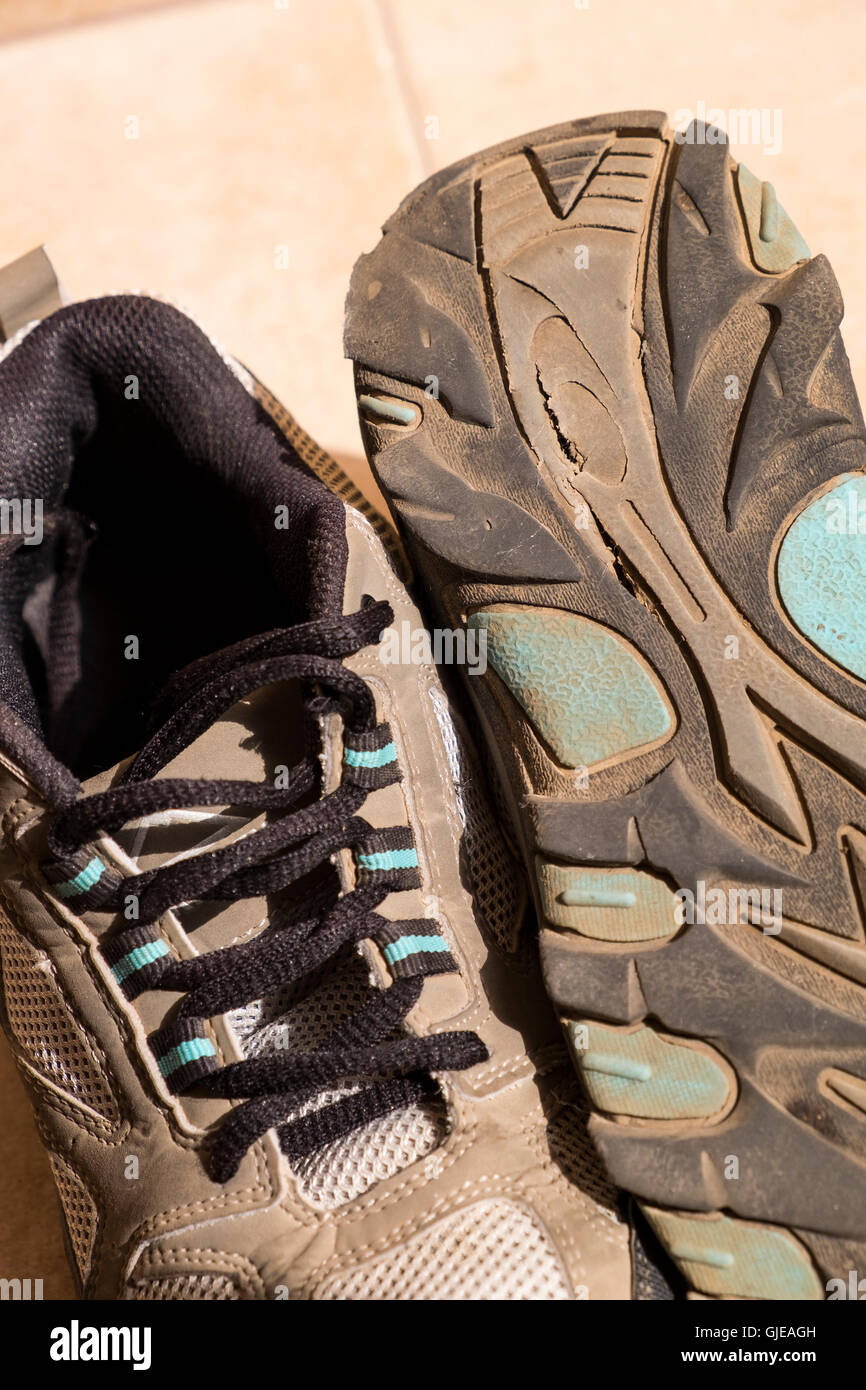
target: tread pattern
<point>658,388</point>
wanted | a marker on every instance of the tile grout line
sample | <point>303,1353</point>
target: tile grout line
<point>403,89</point>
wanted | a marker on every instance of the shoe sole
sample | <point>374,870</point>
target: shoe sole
<point>601,383</point>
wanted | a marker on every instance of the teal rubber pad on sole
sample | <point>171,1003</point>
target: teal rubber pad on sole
<point>606,904</point>
<point>638,1073</point>
<point>775,242</point>
<point>587,693</point>
<point>723,1257</point>
<point>822,573</point>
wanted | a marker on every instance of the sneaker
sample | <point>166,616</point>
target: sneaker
<point>601,382</point>
<point>264,965</point>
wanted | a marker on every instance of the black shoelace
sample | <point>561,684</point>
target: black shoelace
<point>370,1052</point>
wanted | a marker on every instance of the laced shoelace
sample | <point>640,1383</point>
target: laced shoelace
<point>387,1067</point>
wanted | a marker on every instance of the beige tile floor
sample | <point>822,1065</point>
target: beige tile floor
<point>301,124</point>
<point>21,17</point>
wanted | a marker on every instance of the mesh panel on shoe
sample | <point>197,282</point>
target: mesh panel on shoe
<point>79,1210</point>
<point>655,1278</point>
<point>574,1152</point>
<point>352,1165</point>
<point>497,883</point>
<point>492,1251</point>
<point>185,1287</point>
<point>54,1043</point>
<point>287,1021</point>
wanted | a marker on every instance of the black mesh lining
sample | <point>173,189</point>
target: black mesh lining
<point>159,521</point>
<point>655,1278</point>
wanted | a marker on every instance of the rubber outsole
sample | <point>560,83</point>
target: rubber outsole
<point>602,384</point>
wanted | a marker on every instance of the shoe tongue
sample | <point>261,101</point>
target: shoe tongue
<point>250,742</point>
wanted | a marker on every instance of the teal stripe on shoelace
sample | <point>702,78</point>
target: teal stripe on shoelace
<point>142,955</point>
<point>412,945</point>
<point>90,875</point>
<point>370,757</point>
<point>188,1051</point>
<point>390,859</point>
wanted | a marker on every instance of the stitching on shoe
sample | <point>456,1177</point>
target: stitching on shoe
<point>157,1259</point>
